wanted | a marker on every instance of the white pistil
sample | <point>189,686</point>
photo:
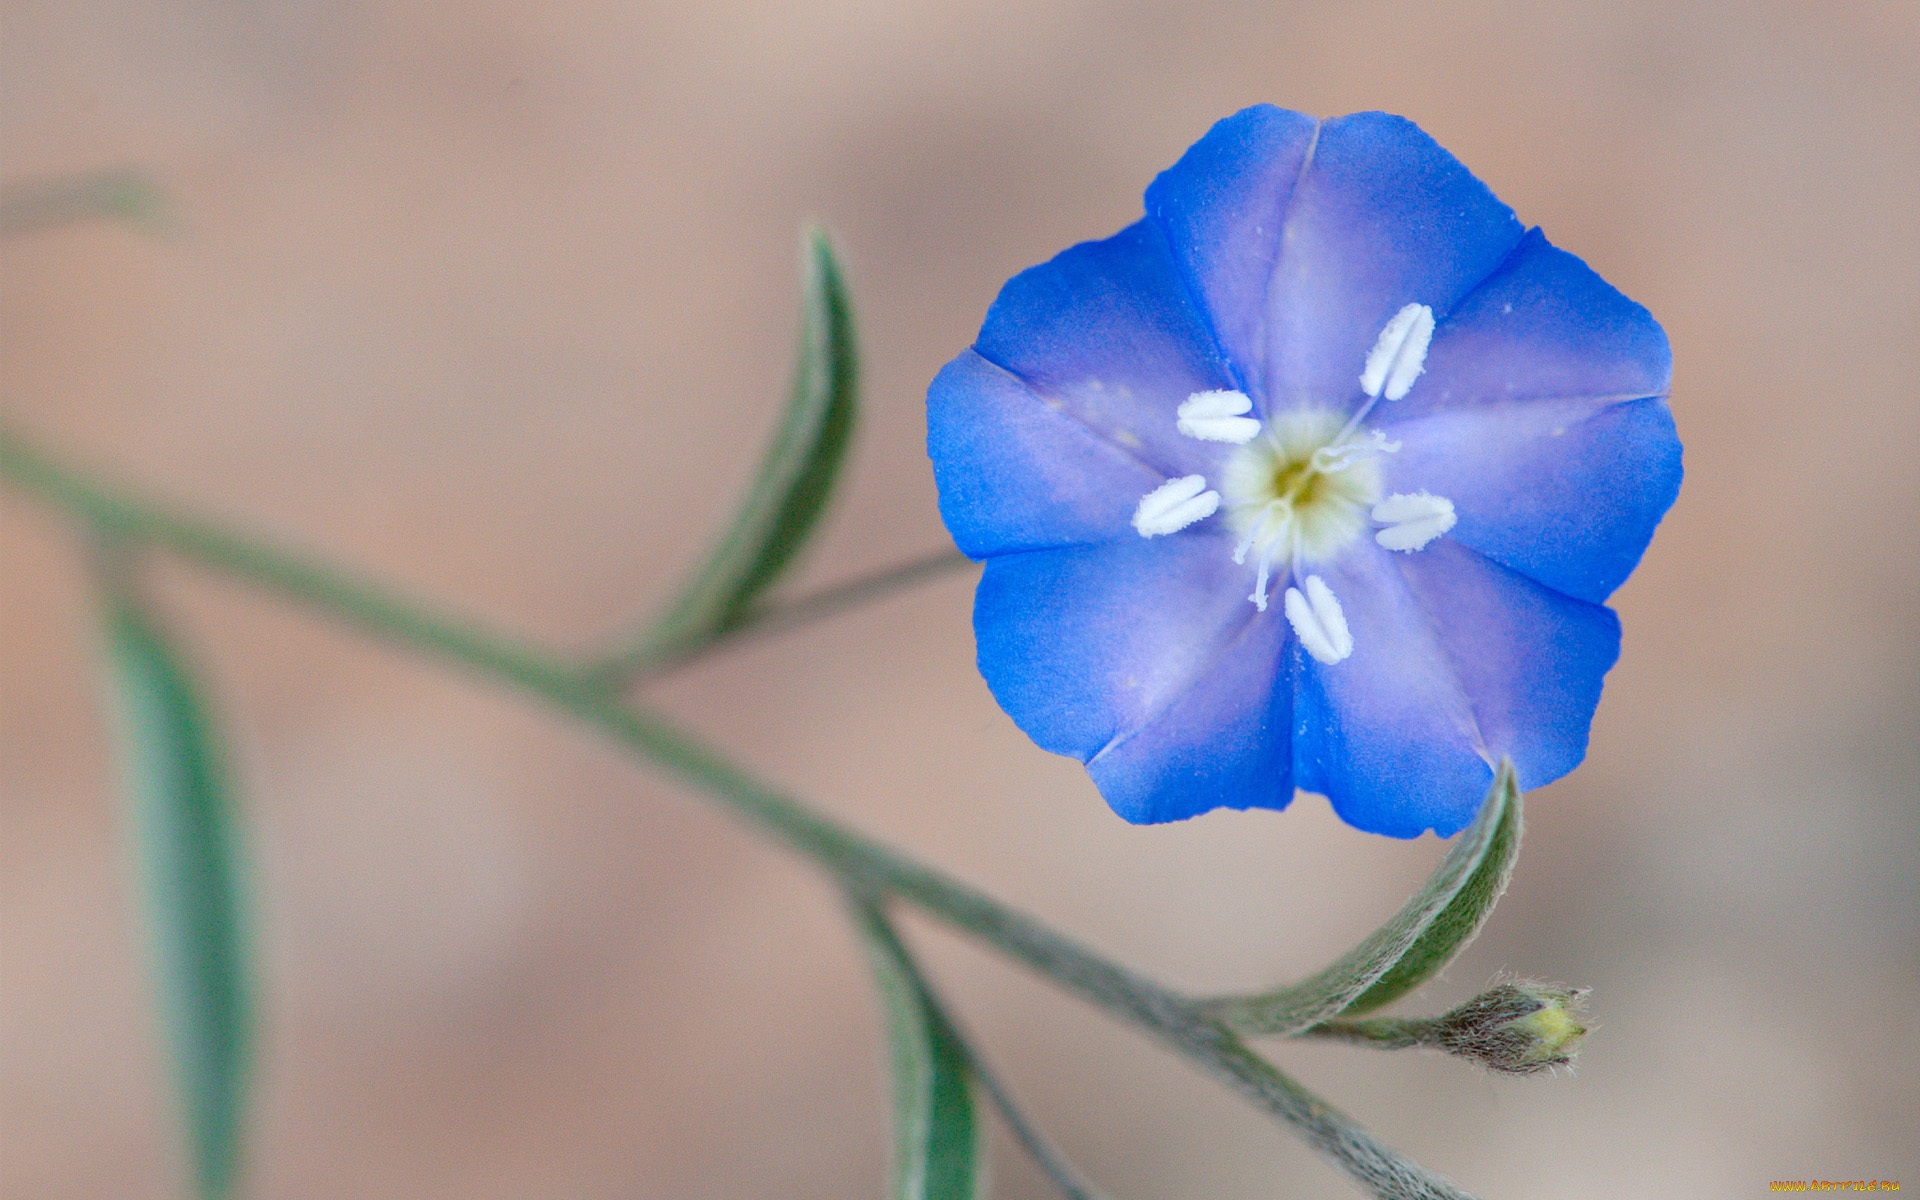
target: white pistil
<point>1400,355</point>
<point>1253,531</point>
<point>1259,596</point>
<point>1174,505</point>
<point>1318,621</point>
<point>1412,520</point>
<point>1217,416</point>
<point>1331,460</point>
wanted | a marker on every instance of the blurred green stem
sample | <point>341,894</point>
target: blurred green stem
<point>116,193</point>
<point>871,911</point>
<point>779,616</point>
<point>855,860</point>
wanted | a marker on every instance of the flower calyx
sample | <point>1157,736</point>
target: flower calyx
<point>1520,1027</point>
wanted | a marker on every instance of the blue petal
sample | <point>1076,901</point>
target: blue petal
<point>1388,734</point>
<point>1565,491</point>
<point>1528,658</point>
<point>1108,331</point>
<point>1224,743</point>
<point>1222,207</point>
<point>1382,217</point>
<point>1542,417</point>
<point>1149,652</point>
<point>1543,326</point>
<point>1016,473</point>
<point>1457,662</point>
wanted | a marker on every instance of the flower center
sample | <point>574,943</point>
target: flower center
<point>1304,486</point>
<point>1297,492</point>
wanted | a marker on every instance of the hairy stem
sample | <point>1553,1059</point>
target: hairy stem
<point>1381,1033</point>
<point>856,860</point>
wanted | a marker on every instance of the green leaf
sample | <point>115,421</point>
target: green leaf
<point>1456,925</point>
<point>1424,936</point>
<point>796,475</point>
<point>936,1132</point>
<point>189,847</point>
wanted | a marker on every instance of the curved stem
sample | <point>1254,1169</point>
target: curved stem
<point>856,860</point>
<point>1037,1145</point>
<point>645,658</point>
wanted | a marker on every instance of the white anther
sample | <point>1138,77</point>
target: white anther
<point>1331,460</point>
<point>1318,621</point>
<point>1412,520</point>
<point>1216,417</point>
<point>1174,505</point>
<point>1400,355</point>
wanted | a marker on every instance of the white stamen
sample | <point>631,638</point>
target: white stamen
<point>1174,505</point>
<point>1216,417</point>
<point>1331,460</point>
<point>1397,359</point>
<point>1318,621</point>
<point>1412,520</point>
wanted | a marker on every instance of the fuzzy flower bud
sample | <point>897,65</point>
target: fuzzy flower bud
<point>1521,1027</point>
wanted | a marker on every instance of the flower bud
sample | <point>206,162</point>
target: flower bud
<point>1521,1027</point>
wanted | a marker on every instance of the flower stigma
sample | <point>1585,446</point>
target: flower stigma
<point>1297,494</point>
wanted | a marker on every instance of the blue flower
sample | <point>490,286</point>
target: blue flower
<point>1317,477</point>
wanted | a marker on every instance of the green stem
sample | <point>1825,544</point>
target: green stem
<point>366,606</point>
<point>646,658</point>
<point>1038,1147</point>
<point>1380,1033</point>
<point>872,911</point>
<point>121,193</point>
<point>856,860</point>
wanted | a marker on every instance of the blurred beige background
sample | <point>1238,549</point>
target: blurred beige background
<point>496,299</point>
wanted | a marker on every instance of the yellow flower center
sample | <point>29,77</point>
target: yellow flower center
<point>1300,492</point>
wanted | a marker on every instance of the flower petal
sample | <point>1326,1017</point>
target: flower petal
<point>1543,326</point>
<point>1566,492</point>
<point>1223,743</point>
<point>1529,658</point>
<point>1150,653</point>
<point>1382,217</point>
<point>1387,733</point>
<point>1108,331</point>
<point>1542,418</point>
<point>1016,472</point>
<point>1222,207</point>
